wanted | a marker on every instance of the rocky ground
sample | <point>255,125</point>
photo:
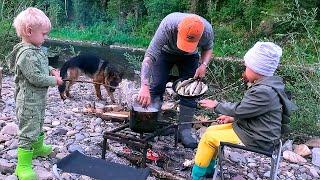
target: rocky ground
<point>68,130</point>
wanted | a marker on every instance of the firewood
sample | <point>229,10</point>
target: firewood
<point>157,172</point>
<point>112,107</point>
<point>115,116</point>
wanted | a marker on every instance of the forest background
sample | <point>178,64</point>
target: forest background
<point>238,24</point>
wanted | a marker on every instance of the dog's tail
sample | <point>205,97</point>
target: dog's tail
<point>63,75</point>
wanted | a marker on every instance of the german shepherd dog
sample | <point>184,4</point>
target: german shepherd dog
<point>100,71</point>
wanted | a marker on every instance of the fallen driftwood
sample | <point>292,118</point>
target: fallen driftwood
<point>157,172</point>
<point>113,113</point>
<point>115,116</point>
<point>133,158</point>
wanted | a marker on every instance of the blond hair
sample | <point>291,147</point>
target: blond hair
<point>31,17</point>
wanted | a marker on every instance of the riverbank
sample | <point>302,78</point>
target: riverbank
<point>68,129</point>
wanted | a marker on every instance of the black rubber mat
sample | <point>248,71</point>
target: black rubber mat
<point>79,163</point>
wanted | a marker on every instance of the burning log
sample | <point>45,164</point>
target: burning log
<point>157,172</point>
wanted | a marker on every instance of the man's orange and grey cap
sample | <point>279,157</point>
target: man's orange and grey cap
<point>190,30</point>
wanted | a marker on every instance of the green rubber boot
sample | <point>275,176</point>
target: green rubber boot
<point>198,172</point>
<point>41,149</point>
<point>24,169</point>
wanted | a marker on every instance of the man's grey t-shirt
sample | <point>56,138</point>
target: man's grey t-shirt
<point>165,37</point>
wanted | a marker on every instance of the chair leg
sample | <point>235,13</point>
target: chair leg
<point>275,161</point>
<point>273,173</point>
<point>216,170</point>
<point>219,164</point>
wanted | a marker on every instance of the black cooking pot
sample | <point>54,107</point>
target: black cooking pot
<point>143,120</point>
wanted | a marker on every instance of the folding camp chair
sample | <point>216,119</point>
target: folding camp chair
<point>274,154</point>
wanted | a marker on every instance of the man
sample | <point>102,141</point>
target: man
<point>176,42</point>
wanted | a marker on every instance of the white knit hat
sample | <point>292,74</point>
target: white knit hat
<point>263,58</point>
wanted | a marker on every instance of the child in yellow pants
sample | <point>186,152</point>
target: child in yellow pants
<point>256,120</point>
<point>210,142</point>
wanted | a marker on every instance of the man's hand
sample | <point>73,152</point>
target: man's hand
<point>200,72</point>
<point>207,103</point>
<point>144,97</point>
<point>224,119</point>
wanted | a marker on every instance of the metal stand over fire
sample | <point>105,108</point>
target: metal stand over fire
<point>143,142</point>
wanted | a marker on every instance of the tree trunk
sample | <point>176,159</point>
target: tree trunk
<point>1,10</point>
<point>193,6</point>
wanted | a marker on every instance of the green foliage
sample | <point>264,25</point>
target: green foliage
<point>242,14</point>
<point>107,34</point>
<point>304,87</point>
<point>158,9</point>
<point>134,61</point>
<point>87,12</point>
<point>224,78</point>
<point>9,9</point>
<point>298,29</point>
<point>54,9</point>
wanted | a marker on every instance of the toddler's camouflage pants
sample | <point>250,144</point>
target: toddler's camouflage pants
<point>30,119</point>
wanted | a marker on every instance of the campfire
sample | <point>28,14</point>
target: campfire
<point>161,153</point>
<point>147,147</point>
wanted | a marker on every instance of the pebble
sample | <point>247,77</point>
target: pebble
<point>11,154</point>
<point>236,157</point>
<point>79,137</point>
<point>10,129</point>
<point>71,133</point>
<point>11,177</point>
<point>6,166</point>
<point>70,130</point>
<point>75,147</point>
<point>61,155</point>
<point>267,174</point>
<point>60,131</point>
<point>314,172</point>
<point>43,173</point>
<point>97,121</point>
<point>55,123</point>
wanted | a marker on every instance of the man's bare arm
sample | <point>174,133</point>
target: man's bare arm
<point>206,57</point>
<point>146,70</point>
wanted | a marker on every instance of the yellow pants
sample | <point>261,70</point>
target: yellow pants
<point>210,142</point>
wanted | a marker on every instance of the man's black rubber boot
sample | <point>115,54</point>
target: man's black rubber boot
<point>186,115</point>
